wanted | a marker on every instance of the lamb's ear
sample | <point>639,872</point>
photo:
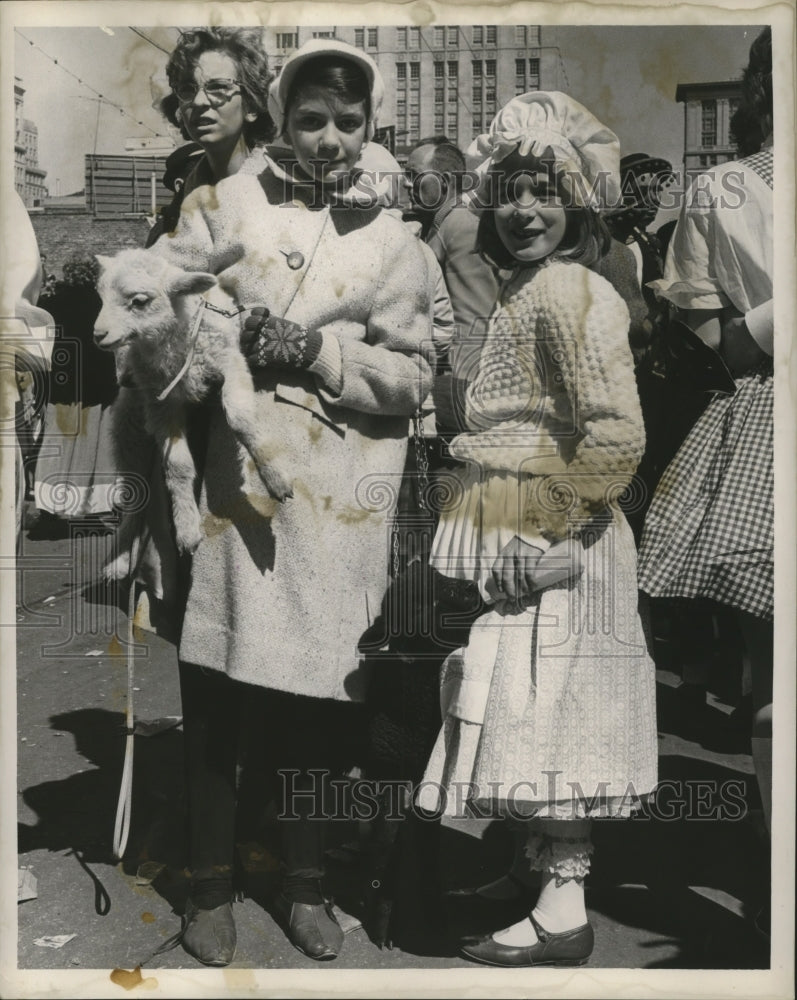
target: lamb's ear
<point>193,282</point>
<point>104,262</point>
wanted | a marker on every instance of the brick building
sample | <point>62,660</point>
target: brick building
<point>60,234</point>
<point>28,175</point>
<point>444,78</point>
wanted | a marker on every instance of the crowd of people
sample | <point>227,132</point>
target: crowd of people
<point>591,400</point>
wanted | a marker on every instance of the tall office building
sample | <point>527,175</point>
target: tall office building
<point>708,109</point>
<point>445,79</point>
<point>28,175</point>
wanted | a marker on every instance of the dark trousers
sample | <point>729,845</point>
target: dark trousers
<point>307,740</point>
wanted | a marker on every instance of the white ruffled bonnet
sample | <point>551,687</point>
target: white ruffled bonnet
<point>585,151</point>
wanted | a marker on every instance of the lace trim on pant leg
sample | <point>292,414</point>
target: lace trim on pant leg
<point>565,857</point>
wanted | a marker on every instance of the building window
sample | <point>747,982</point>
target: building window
<point>287,40</point>
<point>478,34</point>
<point>534,68</point>
<point>401,72</point>
<point>373,38</point>
<point>477,123</point>
<point>452,70</point>
<point>439,121</point>
<point>439,37</point>
<point>490,67</point>
<point>491,34</point>
<point>323,34</point>
<point>477,67</point>
<point>477,95</point>
<point>520,76</point>
<point>452,35</point>
<point>708,123</point>
<point>533,36</point>
<point>415,75</point>
<point>439,70</point>
<point>451,130</point>
<point>520,34</point>
<point>489,96</point>
<point>401,38</point>
<point>415,38</point>
<point>359,37</point>
<point>451,96</point>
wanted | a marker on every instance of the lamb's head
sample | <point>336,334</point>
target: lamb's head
<point>144,298</point>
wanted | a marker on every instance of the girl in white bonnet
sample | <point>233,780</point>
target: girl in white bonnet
<point>549,711</point>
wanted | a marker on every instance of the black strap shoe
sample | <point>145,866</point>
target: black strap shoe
<point>566,948</point>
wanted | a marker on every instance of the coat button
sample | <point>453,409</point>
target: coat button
<point>295,260</point>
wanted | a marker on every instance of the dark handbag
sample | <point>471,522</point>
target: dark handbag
<point>680,356</point>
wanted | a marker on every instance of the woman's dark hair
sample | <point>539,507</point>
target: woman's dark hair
<point>335,73</point>
<point>586,240</point>
<point>245,47</point>
<point>751,123</point>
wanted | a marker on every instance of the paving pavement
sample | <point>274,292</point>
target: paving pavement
<point>670,890</point>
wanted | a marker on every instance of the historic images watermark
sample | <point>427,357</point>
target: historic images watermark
<point>336,798</point>
<point>481,190</point>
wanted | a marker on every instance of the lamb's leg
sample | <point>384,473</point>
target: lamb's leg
<point>133,450</point>
<point>238,400</point>
<point>167,424</point>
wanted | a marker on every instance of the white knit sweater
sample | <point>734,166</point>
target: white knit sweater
<point>555,389</point>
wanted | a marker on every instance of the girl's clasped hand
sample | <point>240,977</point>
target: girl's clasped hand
<point>522,568</point>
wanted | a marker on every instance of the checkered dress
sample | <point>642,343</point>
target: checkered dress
<point>709,530</point>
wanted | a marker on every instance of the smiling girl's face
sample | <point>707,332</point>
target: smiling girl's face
<point>530,218</point>
<point>326,133</point>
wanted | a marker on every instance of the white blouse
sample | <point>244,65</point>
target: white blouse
<point>722,250</point>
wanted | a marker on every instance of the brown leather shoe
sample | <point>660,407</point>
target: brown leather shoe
<point>566,948</point>
<point>209,935</point>
<point>311,928</point>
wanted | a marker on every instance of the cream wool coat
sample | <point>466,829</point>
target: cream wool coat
<point>281,594</point>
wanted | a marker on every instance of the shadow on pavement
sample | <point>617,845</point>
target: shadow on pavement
<point>78,812</point>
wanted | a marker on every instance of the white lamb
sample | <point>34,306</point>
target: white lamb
<point>149,307</point>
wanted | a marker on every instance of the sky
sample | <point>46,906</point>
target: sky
<point>625,75</point>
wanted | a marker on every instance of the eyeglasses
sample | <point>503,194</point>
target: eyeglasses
<point>217,91</point>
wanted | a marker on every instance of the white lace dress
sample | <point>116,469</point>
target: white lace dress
<point>550,708</point>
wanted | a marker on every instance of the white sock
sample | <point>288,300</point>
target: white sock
<point>519,935</point>
<point>560,908</point>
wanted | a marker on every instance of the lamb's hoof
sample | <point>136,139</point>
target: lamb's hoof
<point>188,536</point>
<point>117,569</point>
<point>278,485</point>
<point>188,544</point>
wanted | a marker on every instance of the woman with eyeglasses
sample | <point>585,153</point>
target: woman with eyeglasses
<point>219,79</point>
<point>285,590</point>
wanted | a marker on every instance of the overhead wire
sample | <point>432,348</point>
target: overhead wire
<point>88,86</point>
<point>148,39</point>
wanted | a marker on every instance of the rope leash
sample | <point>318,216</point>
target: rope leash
<point>194,337</point>
<point>124,806</point>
